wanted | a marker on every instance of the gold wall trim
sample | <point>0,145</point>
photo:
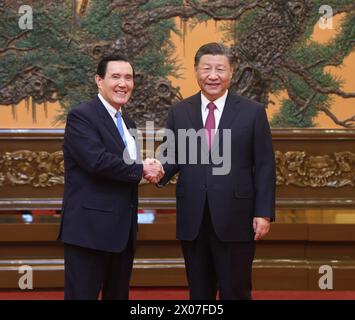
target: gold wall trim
<point>316,202</point>
<point>30,203</point>
<point>162,263</point>
<point>31,134</point>
<point>165,203</point>
<point>315,167</point>
<point>314,134</point>
<point>303,170</point>
<point>38,169</point>
<point>45,169</point>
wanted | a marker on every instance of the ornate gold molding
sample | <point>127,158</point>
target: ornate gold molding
<point>45,169</point>
<point>329,170</point>
<point>38,169</point>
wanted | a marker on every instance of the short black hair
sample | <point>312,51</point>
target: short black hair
<point>102,65</point>
<point>213,48</point>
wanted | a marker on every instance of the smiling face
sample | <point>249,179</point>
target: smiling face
<point>117,85</point>
<point>213,74</point>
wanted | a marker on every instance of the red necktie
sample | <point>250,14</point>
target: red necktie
<point>210,124</point>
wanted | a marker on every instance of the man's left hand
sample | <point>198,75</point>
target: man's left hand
<point>261,227</point>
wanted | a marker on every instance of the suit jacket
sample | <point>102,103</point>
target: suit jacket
<point>101,192</point>
<point>234,199</point>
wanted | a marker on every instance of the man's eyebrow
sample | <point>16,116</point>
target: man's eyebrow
<point>120,74</point>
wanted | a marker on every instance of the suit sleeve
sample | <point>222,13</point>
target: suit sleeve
<point>168,157</point>
<point>264,167</point>
<point>84,144</point>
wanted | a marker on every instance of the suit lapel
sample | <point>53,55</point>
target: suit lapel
<point>229,113</point>
<point>128,122</point>
<point>108,122</point>
<point>195,112</point>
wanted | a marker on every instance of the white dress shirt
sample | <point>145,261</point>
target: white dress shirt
<point>131,143</point>
<point>219,103</point>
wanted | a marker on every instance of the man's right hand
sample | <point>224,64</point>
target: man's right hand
<point>152,170</point>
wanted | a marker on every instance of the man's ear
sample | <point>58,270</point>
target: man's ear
<point>98,80</point>
<point>195,70</point>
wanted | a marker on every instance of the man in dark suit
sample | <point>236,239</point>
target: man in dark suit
<point>220,214</point>
<point>99,218</point>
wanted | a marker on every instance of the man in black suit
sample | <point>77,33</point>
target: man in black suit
<point>99,218</point>
<point>220,214</point>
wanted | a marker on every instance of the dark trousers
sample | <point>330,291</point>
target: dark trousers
<point>88,271</point>
<point>212,264</point>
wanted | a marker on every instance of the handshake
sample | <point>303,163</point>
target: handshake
<point>152,170</point>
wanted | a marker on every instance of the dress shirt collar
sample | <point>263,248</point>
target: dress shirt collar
<point>219,103</point>
<point>111,110</point>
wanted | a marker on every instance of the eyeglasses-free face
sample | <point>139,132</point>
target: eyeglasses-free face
<point>213,74</point>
